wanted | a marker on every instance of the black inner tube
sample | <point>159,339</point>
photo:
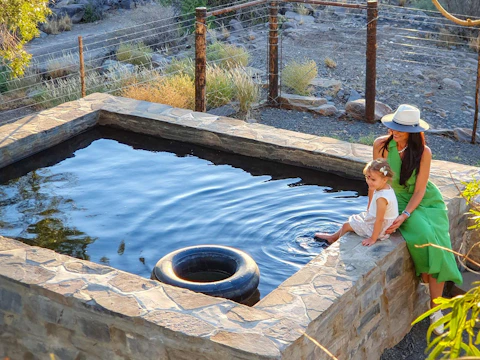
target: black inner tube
<point>205,269</point>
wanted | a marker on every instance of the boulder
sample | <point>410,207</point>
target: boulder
<point>74,11</point>
<point>325,110</point>
<point>356,109</point>
<point>331,84</point>
<point>298,102</point>
<point>236,27</point>
<point>452,84</point>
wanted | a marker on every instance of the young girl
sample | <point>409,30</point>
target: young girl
<point>382,207</point>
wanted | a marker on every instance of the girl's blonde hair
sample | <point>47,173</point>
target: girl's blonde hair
<point>380,165</point>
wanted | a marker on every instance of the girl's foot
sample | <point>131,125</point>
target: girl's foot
<point>324,236</point>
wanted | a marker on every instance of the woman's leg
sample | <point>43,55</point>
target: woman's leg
<point>331,238</point>
<point>436,289</point>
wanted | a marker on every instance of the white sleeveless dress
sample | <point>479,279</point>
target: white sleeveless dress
<point>364,222</point>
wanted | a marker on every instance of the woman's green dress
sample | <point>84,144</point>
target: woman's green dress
<point>428,223</point>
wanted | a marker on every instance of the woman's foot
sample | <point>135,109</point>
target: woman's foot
<point>330,238</point>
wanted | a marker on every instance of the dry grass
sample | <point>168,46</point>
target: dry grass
<point>176,91</point>
<point>246,91</point>
<point>227,56</point>
<point>297,76</point>
<point>220,87</point>
<point>302,9</point>
<point>330,63</point>
<point>59,91</point>
<point>62,66</point>
<point>135,53</point>
<point>224,31</point>
<point>183,66</point>
<point>446,38</point>
<point>56,26</point>
<point>474,43</point>
<point>402,2</point>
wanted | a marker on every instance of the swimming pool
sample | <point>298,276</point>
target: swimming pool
<point>124,199</point>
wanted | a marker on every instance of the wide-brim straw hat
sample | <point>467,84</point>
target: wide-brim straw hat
<point>406,119</point>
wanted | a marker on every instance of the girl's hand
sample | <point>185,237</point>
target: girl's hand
<point>368,242</point>
<point>396,224</point>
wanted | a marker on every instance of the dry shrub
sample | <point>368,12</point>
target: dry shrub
<point>297,76</point>
<point>177,91</point>
<point>446,38</point>
<point>330,63</point>
<point>220,87</point>
<point>183,66</point>
<point>135,53</point>
<point>402,2</point>
<point>62,66</point>
<point>58,91</point>
<point>224,31</point>
<point>56,26</point>
<point>474,43</point>
<point>227,56</point>
<point>302,9</point>
<point>246,91</point>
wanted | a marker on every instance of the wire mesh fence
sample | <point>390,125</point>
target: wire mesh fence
<point>422,59</point>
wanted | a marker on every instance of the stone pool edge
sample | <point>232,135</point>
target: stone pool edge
<point>351,291</point>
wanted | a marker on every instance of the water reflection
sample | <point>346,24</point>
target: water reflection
<point>33,204</point>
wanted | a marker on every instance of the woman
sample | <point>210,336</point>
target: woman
<point>423,214</point>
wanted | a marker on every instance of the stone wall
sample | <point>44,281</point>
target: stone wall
<point>354,300</point>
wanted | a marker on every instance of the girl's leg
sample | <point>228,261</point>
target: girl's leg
<point>331,238</point>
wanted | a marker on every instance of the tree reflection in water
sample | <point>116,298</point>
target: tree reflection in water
<point>41,213</point>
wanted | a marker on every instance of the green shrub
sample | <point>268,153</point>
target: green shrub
<point>297,76</point>
<point>4,78</point>
<point>135,53</point>
<point>220,87</point>
<point>227,56</point>
<point>92,13</point>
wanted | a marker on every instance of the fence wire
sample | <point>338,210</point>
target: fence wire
<point>408,40</point>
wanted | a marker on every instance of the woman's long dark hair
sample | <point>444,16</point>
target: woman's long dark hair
<point>412,155</point>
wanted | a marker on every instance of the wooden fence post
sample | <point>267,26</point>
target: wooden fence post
<point>475,118</point>
<point>371,72</point>
<point>200,59</point>
<point>273,54</point>
<point>82,67</point>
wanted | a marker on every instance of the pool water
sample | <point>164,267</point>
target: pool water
<point>126,200</point>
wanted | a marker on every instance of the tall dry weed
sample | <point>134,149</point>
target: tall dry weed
<point>135,53</point>
<point>297,76</point>
<point>220,87</point>
<point>62,66</point>
<point>227,56</point>
<point>246,91</point>
<point>177,91</point>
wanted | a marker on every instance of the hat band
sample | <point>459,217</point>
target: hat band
<point>396,122</point>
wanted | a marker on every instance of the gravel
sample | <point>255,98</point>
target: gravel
<point>443,148</point>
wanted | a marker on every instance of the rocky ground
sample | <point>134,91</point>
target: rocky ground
<point>416,64</point>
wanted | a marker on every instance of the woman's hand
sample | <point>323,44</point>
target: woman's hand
<point>396,224</point>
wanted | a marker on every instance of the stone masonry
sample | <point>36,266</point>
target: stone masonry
<point>356,301</point>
